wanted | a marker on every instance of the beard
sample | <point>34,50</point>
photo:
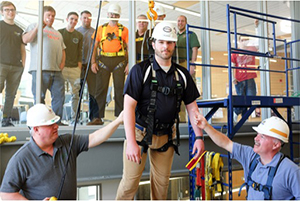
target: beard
<point>164,54</point>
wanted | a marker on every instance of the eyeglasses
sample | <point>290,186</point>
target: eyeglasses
<point>9,10</point>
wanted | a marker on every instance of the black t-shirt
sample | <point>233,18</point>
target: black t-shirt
<point>166,105</point>
<point>10,44</point>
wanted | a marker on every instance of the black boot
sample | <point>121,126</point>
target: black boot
<point>7,122</point>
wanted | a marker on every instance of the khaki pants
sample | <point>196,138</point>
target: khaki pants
<point>160,171</point>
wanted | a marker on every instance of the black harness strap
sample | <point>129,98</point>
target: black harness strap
<point>152,123</point>
<point>151,108</point>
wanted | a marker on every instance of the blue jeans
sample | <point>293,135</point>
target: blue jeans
<point>54,81</point>
<point>245,88</point>
<point>10,76</point>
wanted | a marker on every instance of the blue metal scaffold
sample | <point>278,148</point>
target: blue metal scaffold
<point>249,102</point>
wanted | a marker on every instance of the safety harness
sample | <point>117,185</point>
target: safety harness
<point>143,39</point>
<point>267,188</point>
<point>154,124</point>
<point>112,36</point>
<point>213,176</point>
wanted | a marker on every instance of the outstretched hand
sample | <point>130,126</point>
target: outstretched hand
<point>200,120</point>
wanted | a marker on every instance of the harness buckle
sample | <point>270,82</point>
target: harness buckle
<point>256,186</point>
<point>166,90</point>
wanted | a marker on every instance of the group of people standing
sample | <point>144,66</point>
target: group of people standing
<point>65,58</point>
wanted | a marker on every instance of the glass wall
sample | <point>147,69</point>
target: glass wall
<point>27,12</point>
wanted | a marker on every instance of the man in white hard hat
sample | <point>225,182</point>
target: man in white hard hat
<point>153,92</point>
<point>141,38</point>
<point>160,11</point>
<point>112,40</point>
<point>34,172</point>
<point>268,173</point>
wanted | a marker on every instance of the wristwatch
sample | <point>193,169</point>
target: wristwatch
<point>199,138</point>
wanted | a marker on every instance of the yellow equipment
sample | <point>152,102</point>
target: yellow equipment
<point>5,138</point>
<point>213,177</point>
<point>152,16</point>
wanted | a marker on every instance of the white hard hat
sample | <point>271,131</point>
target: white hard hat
<point>41,115</point>
<point>274,127</point>
<point>165,31</point>
<point>159,10</point>
<point>114,8</point>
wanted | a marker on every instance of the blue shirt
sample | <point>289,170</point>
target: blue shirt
<point>286,183</point>
<point>166,105</point>
<point>38,174</point>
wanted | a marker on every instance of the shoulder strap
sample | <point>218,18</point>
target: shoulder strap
<point>252,167</point>
<point>151,107</point>
<point>183,77</point>
<point>268,187</point>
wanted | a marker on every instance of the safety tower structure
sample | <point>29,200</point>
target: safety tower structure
<point>250,102</point>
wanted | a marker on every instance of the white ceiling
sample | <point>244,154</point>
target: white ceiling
<point>217,14</point>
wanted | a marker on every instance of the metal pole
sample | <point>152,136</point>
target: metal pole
<point>205,52</point>
<point>295,5</point>
<point>264,62</point>
<point>132,28</point>
<point>40,54</point>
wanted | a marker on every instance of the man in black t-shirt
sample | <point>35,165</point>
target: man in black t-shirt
<point>153,92</point>
<point>12,58</point>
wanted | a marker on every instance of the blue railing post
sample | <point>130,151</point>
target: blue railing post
<point>230,108</point>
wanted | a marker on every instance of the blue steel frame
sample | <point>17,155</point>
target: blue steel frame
<point>250,102</point>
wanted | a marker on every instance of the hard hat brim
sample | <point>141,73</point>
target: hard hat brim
<point>165,39</point>
<point>47,123</point>
<point>260,131</point>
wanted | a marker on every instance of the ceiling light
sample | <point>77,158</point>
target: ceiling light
<point>165,5</point>
<point>187,11</point>
<point>285,26</point>
<point>160,4</point>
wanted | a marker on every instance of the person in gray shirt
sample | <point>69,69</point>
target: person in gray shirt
<point>272,133</point>
<point>53,60</point>
<point>87,31</point>
<point>34,172</point>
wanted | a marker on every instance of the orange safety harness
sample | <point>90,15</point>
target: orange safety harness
<point>112,37</point>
